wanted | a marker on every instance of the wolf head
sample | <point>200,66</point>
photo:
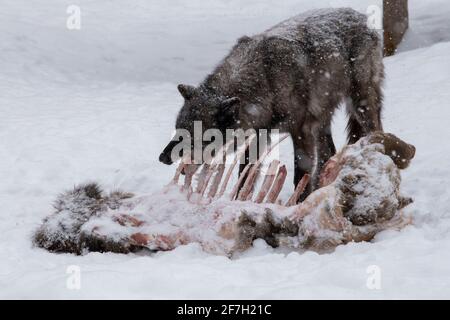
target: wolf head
<point>213,110</point>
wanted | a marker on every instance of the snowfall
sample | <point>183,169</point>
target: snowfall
<point>99,104</point>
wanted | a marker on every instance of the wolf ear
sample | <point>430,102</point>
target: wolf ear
<point>186,91</point>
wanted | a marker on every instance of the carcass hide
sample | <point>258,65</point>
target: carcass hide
<point>359,197</point>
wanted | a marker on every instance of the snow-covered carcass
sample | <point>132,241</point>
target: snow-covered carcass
<point>359,196</point>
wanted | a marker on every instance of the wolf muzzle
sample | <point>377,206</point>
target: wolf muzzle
<point>166,155</point>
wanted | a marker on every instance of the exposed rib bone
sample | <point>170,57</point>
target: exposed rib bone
<point>240,180</point>
<point>277,185</point>
<point>249,184</point>
<point>180,168</point>
<point>189,171</point>
<point>227,176</point>
<point>251,178</point>
<point>268,180</point>
<point>301,186</point>
<point>212,169</point>
<point>218,168</point>
<point>233,165</point>
<point>201,177</point>
<point>216,181</point>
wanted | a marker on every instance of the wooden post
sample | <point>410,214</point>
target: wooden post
<point>395,24</point>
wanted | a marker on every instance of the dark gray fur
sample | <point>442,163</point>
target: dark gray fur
<point>293,77</point>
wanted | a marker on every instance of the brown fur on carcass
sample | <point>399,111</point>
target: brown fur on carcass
<point>400,152</point>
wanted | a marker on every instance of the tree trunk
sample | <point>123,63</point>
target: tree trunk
<point>395,24</point>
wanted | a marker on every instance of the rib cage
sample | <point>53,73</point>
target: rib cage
<point>212,177</point>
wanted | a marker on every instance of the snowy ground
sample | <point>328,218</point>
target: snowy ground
<point>99,104</point>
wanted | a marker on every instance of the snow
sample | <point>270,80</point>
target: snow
<point>100,104</point>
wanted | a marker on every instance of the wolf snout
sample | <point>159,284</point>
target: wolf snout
<point>165,158</point>
<point>166,155</point>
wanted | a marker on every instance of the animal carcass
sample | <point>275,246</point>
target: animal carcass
<point>359,196</point>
